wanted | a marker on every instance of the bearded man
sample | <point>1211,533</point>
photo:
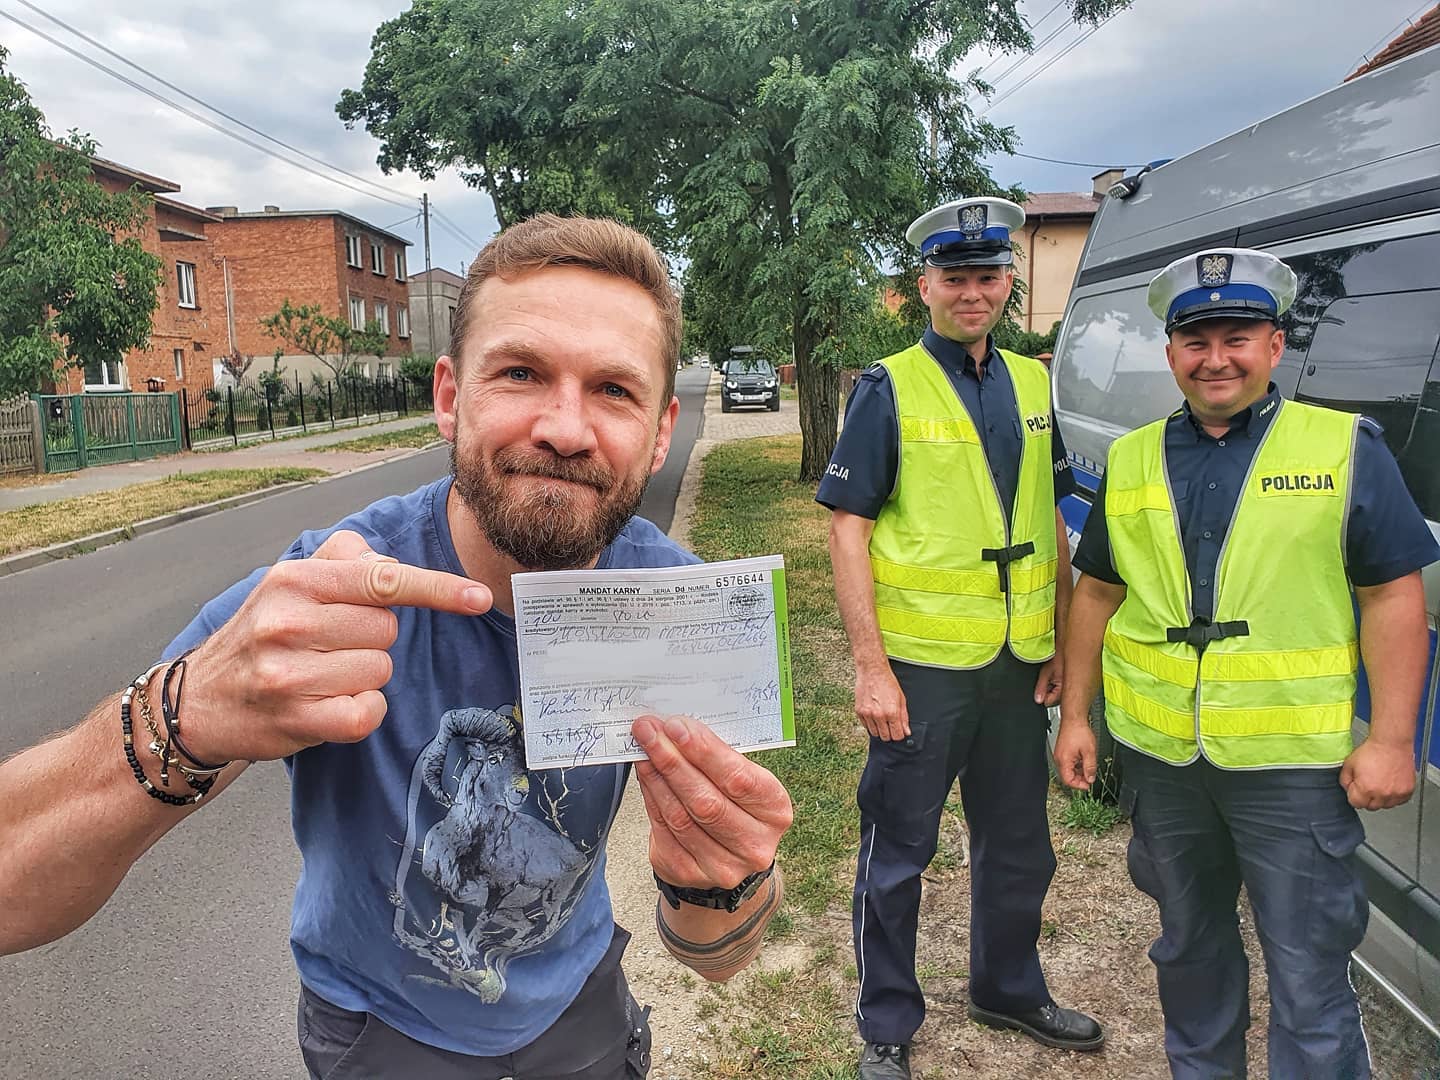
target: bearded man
<point>450,920</point>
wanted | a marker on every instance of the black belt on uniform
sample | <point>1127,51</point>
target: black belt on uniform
<point>1003,557</point>
<point>1202,631</point>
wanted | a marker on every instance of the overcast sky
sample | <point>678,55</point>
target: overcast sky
<point>1157,81</point>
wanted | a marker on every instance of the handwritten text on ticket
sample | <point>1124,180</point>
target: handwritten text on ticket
<point>599,648</point>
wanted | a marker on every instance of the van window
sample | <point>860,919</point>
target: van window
<point>1371,355</point>
<point>1112,365</point>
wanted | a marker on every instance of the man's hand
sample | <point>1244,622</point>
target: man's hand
<point>1075,754</point>
<point>1377,776</point>
<point>880,704</point>
<point>1050,681</point>
<point>716,817</point>
<point>303,660</point>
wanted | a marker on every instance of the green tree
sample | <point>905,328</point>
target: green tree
<point>780,146</point>
<point>371,341</point>
<point>76,287</point>
<point>305,328</point>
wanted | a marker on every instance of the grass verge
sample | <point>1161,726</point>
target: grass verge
<point>70,519</point>
<point>423,435</point>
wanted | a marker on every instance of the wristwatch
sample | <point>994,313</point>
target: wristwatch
<point>719,899</point>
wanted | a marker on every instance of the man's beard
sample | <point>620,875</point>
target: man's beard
<point>548,526</point>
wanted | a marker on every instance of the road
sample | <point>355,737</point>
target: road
<point>191,953</point>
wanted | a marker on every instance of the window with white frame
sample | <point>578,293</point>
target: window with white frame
<point>382,316</point>
<point>352,249</point>
<point>105,374</point>
<point>362,368</point>
<point>402,321</point>
<point>382,369</point>
<point>400,265</point>
<point>377,258</point>
<point>185,282</point>
<point>357,313</point>
<point>180,364</point>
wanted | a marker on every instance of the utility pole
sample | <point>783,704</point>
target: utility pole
<point>429,300</point>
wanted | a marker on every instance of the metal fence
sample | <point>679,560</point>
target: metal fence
<point>101,429</point>
<point>20,437</point>
<point>243,413</point>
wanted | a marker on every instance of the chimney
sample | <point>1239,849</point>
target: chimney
<point>1102,181</point>
<point>270,209</point>
<point>224,211</point>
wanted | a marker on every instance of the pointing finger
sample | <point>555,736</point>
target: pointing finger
<point>378,583</point>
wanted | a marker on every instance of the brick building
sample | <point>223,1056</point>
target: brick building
<point>189,323</point>
<point>349,267</point>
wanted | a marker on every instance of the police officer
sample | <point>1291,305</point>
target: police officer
<point>1217,574</point>
<point>950,564</point>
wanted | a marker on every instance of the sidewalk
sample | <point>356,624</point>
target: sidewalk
<point>720,427</point>
<point>257,455</point>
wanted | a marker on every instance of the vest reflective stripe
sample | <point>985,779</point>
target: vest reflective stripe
<point>1283,694</point>
<point>937,601</point>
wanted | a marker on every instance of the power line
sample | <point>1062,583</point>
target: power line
<point>1034,26</point>
<point>1053,60</point>
<point>213,108</point>
<point>1079,164</point>
<point>454,227</point>
<point>1024,59</point>
<point>1387,37</point>
<point>194,115</point>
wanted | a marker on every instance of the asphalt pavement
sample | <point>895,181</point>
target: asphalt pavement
<point>186,970</point>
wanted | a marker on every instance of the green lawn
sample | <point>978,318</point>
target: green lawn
<point>420,435</point>
<point>70,519</point>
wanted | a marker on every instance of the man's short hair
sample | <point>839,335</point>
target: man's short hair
<point>599,244</point>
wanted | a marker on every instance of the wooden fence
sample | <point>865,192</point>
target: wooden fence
<point>19,434</point>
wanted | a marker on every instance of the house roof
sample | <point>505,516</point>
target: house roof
<point>230,214</point>
<point>441,275</point>
<point>1420,34</point>
<point>1061,204</point>
<point>152,184</point>
<point>186,209</point>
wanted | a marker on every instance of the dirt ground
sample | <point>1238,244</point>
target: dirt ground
<point>1093,947</point>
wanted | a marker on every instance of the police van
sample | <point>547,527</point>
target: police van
<point>1345,188</point>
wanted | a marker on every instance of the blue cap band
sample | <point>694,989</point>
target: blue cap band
<point>1194,298</point>
<point>950,236</point>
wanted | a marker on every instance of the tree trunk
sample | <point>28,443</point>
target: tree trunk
<point>819,391</point>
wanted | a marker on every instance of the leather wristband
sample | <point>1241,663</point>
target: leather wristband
<point>718,899</point>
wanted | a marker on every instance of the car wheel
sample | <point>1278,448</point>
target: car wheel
<point>775,405</point>
<point>724,405</point>
<point>1109,772</point>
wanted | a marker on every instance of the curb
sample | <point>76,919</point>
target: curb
<point>14,564</point>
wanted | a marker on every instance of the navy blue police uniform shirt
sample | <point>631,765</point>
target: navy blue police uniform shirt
<point>1386,537</point>
<point>862,470</point>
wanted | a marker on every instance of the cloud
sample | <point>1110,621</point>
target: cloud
<point>262,62</point>
<point>1159,80</point>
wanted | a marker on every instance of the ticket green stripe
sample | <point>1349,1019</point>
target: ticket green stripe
<point>782,654</point>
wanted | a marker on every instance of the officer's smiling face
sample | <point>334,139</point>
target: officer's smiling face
<point>965,302</point>
<point>1224,365</point>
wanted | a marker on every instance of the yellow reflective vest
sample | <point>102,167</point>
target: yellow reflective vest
<point>953,582</point>
<point>1270,680</point>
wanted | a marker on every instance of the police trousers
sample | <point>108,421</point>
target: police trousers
<point>603,1035</point>
<point>984,727</point>
<point>1289,835</point>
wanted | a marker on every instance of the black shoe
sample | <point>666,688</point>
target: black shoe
<point>885,1061</point>
<point>1064,1029</point>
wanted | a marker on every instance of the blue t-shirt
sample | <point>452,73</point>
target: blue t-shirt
<point>448,890</point>
<point>865,465</point>
<point>1385,534</point>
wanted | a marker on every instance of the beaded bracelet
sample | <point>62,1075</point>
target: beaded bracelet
<point>128,739</point>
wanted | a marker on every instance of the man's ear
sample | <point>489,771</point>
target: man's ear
<point>446,390</point>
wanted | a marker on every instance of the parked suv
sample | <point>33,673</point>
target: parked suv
<point>1345,188</point>
<point>749,380</point>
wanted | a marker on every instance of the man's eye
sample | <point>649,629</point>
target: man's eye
<point>518,374</point>
<point>614,391</point>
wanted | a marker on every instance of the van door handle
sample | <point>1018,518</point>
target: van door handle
<point>1309,369</point>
